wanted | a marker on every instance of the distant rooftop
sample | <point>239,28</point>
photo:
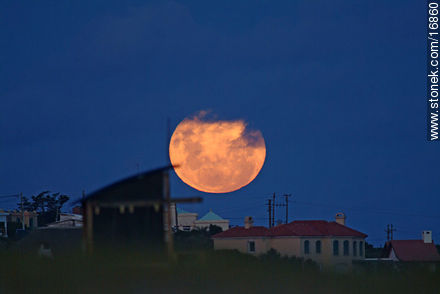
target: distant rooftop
<point>413,250</point>
<point>211,216</point>
<point>296,228</point>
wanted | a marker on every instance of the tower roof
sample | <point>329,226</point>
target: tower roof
<point>211,216</point>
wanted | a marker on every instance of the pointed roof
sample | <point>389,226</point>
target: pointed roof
<point>211,216</point>
<point>146,185</point>
<point>413,250</point>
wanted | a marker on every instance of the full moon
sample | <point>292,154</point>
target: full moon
<point>216,156</point>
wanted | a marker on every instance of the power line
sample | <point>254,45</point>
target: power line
<point>273,210</point>
<point>287,206</point>
<point>372,210</point>
<point>9,196</point>
<point>269,211</point>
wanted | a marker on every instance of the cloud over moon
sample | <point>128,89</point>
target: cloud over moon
<point>216,156</point>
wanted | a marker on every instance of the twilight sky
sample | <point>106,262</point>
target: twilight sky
<point>337,89</point>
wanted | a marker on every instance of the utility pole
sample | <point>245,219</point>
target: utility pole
<point>271,204</point>
<point>269,210</point>
<point>273,210</point>
<point>22,211</point>
<point>390,231</point>
<point>287,206</point>
<point>167,146</point>
<point>176,216</point>
<point>169,233</point>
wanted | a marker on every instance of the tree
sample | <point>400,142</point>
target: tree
<point>47,205</point>
<point>27,205</point>
<point>373,252</point>
<point>214,229</point>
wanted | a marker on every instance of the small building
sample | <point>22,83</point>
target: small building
<point>423,250</point>
<point>3,224</point>
<point>70,216</point>
<point>212,219</point>
<point>30,218</point>
<point>127,213</point>
<point>67,220</point>
<point>131,212</point>
<point>327,243</point>
<point>183,220</point>
<point>77,210</point>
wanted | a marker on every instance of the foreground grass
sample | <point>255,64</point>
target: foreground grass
<point>203,272</point>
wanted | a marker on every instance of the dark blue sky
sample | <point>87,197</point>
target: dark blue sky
<point>336,87</point>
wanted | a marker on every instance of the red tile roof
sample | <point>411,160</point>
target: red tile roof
<point>413,250</point>
<point>295,228</point>
<point>238,232</point>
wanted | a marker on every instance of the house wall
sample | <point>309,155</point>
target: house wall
<point>30,218</point>
<point>289,246</point>
<point>327,256</point>
<point>294,246</point>
<point>393,255</point>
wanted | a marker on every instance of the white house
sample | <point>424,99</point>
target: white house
<point>187,221</point>
<point>327,243</point>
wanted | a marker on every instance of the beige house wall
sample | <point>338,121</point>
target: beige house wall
<point>326,257</point>
<point>294,246</point>
<point>289,246</point>
<point>186,219</point>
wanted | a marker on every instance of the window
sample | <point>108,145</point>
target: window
<point>346,248</point>
<point>186,228</point>
<point>318,247</point>
<point>354,248</point>
<point>335,247</point>
<point>251,246</point>
<point>361,248</point>
<point>306,247</point>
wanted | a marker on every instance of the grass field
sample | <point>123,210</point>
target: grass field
<point>201,272</point>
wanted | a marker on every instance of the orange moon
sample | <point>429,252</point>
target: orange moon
<point>216,156</point>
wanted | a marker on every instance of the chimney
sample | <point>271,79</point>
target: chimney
<point>248,222</point>
<point>427,236</point>
<point>340,218</point>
